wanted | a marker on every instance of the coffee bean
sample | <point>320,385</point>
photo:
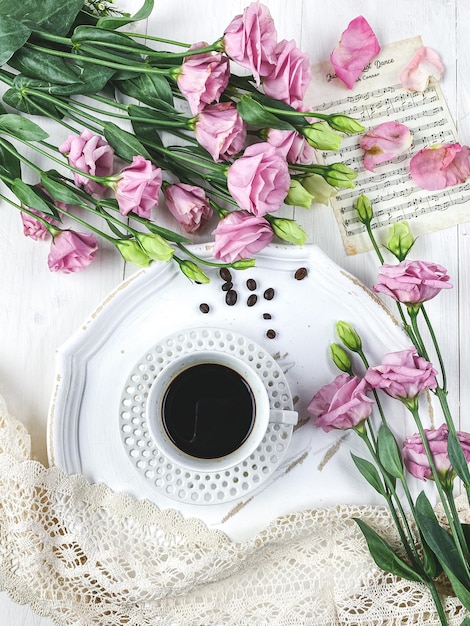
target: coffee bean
<point>266,316</point>
<point>251,284</point>
<point>227,286</point>
<point>270,334</point>
<point>301,273</point>
<point>231,297</point>
<point>225,274</point>
<point>252,299</point>
<point>269,294</point>
<point>204,307</point>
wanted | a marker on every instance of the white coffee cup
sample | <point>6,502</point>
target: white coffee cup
<point>262,416</point>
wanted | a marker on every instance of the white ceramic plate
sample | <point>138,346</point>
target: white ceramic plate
<point>85,435</point>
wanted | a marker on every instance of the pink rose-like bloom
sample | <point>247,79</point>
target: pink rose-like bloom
<point>259,180</point>
<point>137,187</point>
<point>240,235</point>
<point>412,282</point>
<point>90,154</point>
<point>402,375</point>
<point>356,48</point>
<point>203,77</point>
<point>293,146</point>
<point>341,404</point>
<point>424,65</point>
<point>250,40</point>
<point>290,76</point>
<point>34,228</point>
<point>440,166</point>
<point>188,204</point>
<point>220,130</point>
<point>71,251</point>
<point>384,142</point>
<point>416,461</point>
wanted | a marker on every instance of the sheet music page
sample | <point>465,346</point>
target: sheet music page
<point>378,97</point>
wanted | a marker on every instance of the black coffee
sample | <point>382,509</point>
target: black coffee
<point>208,411</point>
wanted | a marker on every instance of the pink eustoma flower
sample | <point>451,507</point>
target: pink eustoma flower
<point>385,142</point>
<point>259,180</point>
<point>290,75</point>
<point>92,155</point>
<point>415,458</point>
<point>188,204</point>
<point>220,130</point>
<point>137,187</point>
<point>412,282</point>
<point>34,228</point>
<point>250,40</point>
<point>293,146</point>
<point>357,47</point>
<point>440,166</point>
<point>240,235</point>
<point>402,375</point>
<point>425,64</point>
<point>203,77</point>
<point>71,251</point>
<point>341,404</point>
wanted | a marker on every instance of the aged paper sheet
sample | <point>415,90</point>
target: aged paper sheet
<point>378,97</point>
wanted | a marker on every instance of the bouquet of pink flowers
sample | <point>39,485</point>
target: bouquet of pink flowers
<point>203,141</point>
<point>431,547</point>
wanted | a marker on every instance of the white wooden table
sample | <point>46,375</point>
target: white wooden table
<point>40,309</point>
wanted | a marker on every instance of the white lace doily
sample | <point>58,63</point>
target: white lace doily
<point>84,555</point>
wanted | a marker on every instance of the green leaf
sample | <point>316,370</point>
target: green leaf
<point>254,114</point>
<point>59,190</point>
<point>92,34</point>
<point>43,66</point>
<point>18,100</point>
<point>13,35</point>
<point>151,89</point>
<point>370,473</point>
<point>466,622</point>
<point>443,545</point>
<point>389,453</point>
<point>384,556</point>
<point>112,23</point>
<point>21,127</point>
<point>125,144</point>
<point>31,197</point>
<point>51,15</point>
<point>10,165</point>
<point>457,458</point>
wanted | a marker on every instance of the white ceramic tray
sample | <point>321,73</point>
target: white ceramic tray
<point>85,434</point>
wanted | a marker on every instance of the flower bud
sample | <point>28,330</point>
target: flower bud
<point>192,271</point>
<point>298,195</point>
<point>400,240</point>
<point>131,250</point>
<point>319,189</point>
<point>340,175</point>
<point>349,336</point>
<point>345,124</point>
<point>364,209</point>
<point>243,264</point>
<point>288,230</point>
<point>157,248</point>
<point>320,136</point>
<point>341,358</point>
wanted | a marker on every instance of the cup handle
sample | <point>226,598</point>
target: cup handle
<point>279,416</point>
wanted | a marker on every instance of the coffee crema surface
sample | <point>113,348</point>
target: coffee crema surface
<point>208,411</point>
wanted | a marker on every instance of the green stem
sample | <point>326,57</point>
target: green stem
<point>201,260</point>
<point>436,347</point>
<point>454,522</point>
<point>403,525</point>
<point>413,313</point>
<point>141,68</point>
<point>437,602</point>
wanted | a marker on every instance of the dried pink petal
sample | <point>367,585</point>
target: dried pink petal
<point>425,64</point>
<point>356,48</point>
<point>384,142</point>
<point>440,166</point>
